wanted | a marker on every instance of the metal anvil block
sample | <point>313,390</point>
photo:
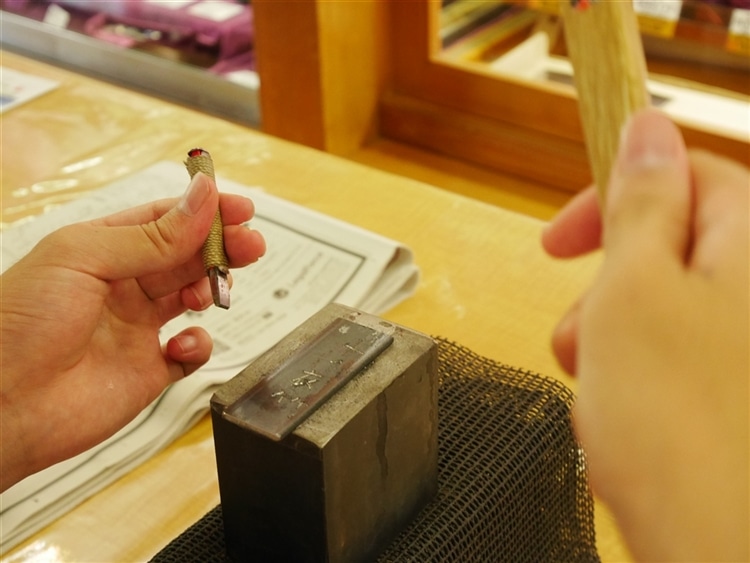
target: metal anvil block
<point>326,445</point>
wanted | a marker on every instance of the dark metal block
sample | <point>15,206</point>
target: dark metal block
<point>345,481</point>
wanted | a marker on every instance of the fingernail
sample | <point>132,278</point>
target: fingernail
<point>649,139</point>
<point>186,342</point>
<point>195,195</point>
<point>203,298</point>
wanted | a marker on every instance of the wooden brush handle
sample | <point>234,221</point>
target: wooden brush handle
<point>604,45</point>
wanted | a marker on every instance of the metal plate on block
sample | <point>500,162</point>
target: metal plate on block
<point>283,399</point>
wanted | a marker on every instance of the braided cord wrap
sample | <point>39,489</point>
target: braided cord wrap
<point>214,255</point>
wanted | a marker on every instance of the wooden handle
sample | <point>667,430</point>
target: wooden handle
<point>604,45</point>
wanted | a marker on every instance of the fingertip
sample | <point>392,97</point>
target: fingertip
<point>197,194</point>
<point>243,245</point>
<point>189,350</point>
<point>258,243</point>
<point>236,209</point>
<point>565,343</point>
<point>195,297</point>
<point>576,229</point>
<point>565,338</point>
<point>649,200</point>
<point>649,139</point>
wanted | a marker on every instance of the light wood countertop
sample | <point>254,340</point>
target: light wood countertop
<point>486,282</point>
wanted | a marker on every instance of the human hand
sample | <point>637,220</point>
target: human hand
<point>660,345</point>
<point>80,319</point>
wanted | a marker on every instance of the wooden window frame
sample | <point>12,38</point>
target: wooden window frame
<point>335,74</point>
<point>525,128</point>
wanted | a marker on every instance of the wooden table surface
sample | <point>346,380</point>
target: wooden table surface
<point>486,282</point>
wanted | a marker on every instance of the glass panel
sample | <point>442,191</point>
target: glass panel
<point>693,48</point>
<point>707,41</point>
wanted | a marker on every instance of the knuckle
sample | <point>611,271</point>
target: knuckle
<point>162,238</point>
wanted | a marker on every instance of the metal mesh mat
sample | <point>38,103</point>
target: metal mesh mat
<point>512,480</point>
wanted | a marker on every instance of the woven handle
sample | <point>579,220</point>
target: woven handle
<point>213,249</point>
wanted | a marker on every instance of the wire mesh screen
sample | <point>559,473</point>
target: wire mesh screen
<point>512,480</point>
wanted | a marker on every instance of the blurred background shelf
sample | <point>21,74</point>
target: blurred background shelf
<point>209,66</point>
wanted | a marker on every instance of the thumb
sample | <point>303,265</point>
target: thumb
<point>150,239</point>
<point>648,207</point>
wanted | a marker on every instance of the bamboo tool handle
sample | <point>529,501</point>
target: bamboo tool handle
<point>604,45</point>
